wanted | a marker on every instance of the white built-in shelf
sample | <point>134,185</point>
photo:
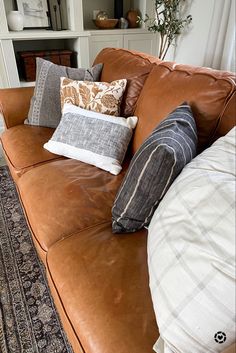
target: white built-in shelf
<point>27,84</point>
<point>81,37</point>
<point>48,34</point>
<point>41,34</point>
<point>116,31</point>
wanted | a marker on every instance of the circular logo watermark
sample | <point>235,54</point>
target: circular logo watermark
<point>220,337</point>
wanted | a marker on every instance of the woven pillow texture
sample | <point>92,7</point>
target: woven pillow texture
<point>91,137</point>
<point>101,97</point>
<point>191,254</point>
<point>153,168</point>
<point>45,109</point>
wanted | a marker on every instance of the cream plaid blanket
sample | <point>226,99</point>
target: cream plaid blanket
<point>191,255</point>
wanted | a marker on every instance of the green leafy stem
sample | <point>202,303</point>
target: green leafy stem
<point>167,22</point>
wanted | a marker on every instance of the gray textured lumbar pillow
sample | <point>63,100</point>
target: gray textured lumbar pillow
<point>91,137</point>
<point>153,168</point>
<point>45,107</point>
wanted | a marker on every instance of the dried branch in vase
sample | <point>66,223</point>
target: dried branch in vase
<point>168,22</point>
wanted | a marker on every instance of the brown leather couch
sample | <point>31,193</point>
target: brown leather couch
<point>99,280</point>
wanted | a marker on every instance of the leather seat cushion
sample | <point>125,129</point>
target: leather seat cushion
<point>102,281</point>
<point>23,147</point>
<point>66,196</point>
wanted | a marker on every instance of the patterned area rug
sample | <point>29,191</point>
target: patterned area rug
<point>29,322</point>
<point>2,159</point>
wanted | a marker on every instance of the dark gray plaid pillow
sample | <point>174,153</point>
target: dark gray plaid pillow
<point>45,106</point>
<point>153,168</point>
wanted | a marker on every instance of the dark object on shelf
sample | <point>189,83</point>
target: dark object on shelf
<point>59,7</point>
<point>59,14</point>
<point>123,23</point>
<point>55,15</point>
<point>28,60</point>
<point>118,9</point>
<point>49,20</point>
<point>132,17</point>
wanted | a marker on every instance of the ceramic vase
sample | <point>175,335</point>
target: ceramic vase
<point>132,17</point>
<point>15,21</point>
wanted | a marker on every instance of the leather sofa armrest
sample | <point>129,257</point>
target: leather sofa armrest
<point>231,349</point>
<point>14,105</point>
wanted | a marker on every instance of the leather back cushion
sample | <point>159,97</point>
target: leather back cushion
<point>132,65</point>
<point>228,119</point>
<point>122,63</point>
<point>207,91</point>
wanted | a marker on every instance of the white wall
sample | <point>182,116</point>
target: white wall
<point>210,39</point>
<point>220,53</point>
<point>192,45</point>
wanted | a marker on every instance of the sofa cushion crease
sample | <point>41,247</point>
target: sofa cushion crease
<point>41,250</point>
<point>74,191</point>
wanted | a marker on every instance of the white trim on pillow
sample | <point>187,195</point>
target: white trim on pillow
<point>109,164</point>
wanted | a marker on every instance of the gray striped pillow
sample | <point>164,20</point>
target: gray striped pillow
<point>153,168</point>
<point>45,105</point>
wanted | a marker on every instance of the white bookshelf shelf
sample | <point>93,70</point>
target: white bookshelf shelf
<point>41,34</point>
<point>27,84</point>
<point>137,31</point>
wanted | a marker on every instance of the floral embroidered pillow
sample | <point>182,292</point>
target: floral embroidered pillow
<point>100,97</point>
